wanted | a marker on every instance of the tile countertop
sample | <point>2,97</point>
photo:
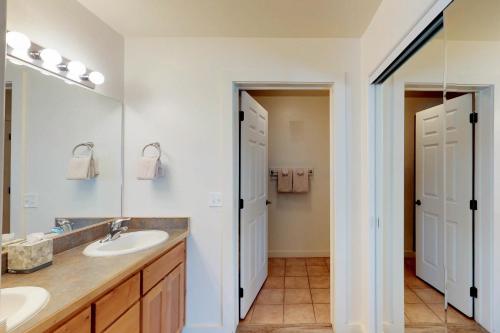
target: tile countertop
<point>74,280</point>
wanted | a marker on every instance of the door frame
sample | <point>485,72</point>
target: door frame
<point>339,188</point>
<point>390,232</point>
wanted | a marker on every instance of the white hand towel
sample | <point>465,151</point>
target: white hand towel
<point>300,180</point>
<point>284,180</point>
<point>148,168</point>
<point>79,167</point>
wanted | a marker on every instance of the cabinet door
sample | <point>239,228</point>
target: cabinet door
<point>78,324</point>
<point>154,310</point>
<point>174,292</point>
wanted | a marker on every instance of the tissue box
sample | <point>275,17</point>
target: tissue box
<point>28,257</point>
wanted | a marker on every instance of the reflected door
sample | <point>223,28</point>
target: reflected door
<point>429,212</point>
<point>458,182</point>
<point>253,214</point>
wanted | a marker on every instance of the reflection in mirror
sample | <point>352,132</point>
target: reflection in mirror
<point>44,181</point>
<point>473,70</point>
<point>411,195</point>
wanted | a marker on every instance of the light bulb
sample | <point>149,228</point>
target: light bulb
<point>96,78</point>
<point>18,41</point>
<point>50,57</point>
<point>76,68</point>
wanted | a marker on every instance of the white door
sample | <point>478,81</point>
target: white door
<point>429,195</point>
<point>443,188</point>
<point>458,185</point>
<point>253,215</point>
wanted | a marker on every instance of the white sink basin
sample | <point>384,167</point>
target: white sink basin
<point>19,304</point>
<point>127,243</point>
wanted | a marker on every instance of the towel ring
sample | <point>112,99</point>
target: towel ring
<point>156,145</point>
<point>89,145</point>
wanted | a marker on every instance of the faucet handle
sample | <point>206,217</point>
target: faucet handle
<point>118,223</point>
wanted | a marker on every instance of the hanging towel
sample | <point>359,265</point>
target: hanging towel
<point>149,168</point>
<point>82,167</point>
<point>300,180</point>
<point>284,180</point>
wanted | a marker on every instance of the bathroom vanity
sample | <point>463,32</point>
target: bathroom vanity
<point>137,292</point>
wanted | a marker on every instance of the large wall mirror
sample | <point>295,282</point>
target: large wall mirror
<point>53,131</point>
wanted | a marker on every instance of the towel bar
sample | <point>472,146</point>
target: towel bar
<point>273,172</point>
<point>89,145</point>
<point>155,145</point>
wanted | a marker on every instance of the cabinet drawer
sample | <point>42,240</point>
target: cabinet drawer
<point>116,302</point>
<point>130,322</point>
<point>156,271</point>
<point>78,324</point>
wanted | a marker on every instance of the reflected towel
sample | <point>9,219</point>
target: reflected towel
<point>284,180</point>
<point>148,168</point>
<point>300,180</point>
<point>82,167</point>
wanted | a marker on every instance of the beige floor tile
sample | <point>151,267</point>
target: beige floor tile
<point>454,317</point>
<point>295,270</point>
<point>320,296</point>
<point>315,261</point>
<point>295,261</point>
<point>429,296</point>
<point>296,282</point>
<point>411,297</point>
<point>276,270</point>
<point>317,270</point>
<point>270,296</point>
<point>322,313</point>
<point>299,314</point>
<point>275,282</point>
<point>414,282</point>
<point>277,261</point>
<point>267,314</point>
<point>420,314</point>
<point>298,296</point>
<point>319,282</point>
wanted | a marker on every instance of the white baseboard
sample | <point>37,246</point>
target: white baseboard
<point>292,254</point>
<point>349,328</point>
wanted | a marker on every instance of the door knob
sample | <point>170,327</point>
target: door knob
<point>268,202</point>
<point>418,202</point>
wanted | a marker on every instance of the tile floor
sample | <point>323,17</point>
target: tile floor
<point>296,292</point>
<point>424,305</point>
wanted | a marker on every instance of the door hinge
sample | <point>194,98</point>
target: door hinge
<point>242,115</point>
<point>473,205</point>
<point>8,190</point>
<point>10,137</point>
<point>241,292</point>
<point>473,117</point>
<point>473,292</point>
<point>241,203</point>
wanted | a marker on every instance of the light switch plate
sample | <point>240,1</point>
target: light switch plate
<point>214,199</point>
<point>31,200</point>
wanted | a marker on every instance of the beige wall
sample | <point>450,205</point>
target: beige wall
<point>299,137</point>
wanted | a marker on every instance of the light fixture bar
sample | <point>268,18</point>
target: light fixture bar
<point>32,58</point>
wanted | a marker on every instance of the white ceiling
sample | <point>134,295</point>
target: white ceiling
<point>235,18</point>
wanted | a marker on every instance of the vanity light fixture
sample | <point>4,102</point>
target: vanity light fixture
<point>21,50</point>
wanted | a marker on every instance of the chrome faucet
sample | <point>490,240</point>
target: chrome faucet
<point>115,229</point>
<point>64,224</point>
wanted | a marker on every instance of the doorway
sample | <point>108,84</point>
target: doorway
<point>285,208</point>
<point>438,227</point>
<point>7,159</point>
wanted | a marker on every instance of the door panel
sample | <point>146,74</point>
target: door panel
<point>253,216</point>
<point>429,190</point>
<point>458,166</point>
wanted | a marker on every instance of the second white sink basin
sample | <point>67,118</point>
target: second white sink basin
<point>19,304</point>
<point>130,242</point>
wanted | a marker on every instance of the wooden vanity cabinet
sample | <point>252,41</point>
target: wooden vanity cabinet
<point>152,300</point>
<point>163,305</point>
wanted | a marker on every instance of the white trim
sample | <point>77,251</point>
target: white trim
<point>431,14</point>
<point>230,84</point>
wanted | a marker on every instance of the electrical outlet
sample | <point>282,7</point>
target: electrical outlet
<point>214,199</point>
<point>31,200</point>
